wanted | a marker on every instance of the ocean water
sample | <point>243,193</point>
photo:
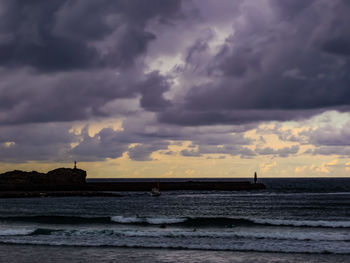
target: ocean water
<point>304,220</point>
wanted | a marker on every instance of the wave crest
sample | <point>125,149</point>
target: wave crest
<point>147,220</point>
<point>195,222</point>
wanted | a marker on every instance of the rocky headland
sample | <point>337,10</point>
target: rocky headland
<point>60,176</point>
<point>58,182</point>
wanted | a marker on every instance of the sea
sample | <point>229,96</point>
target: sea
<point>292,220</point>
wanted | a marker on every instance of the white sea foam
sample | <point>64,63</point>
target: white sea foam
<point>16,232</point>
<point>149,220</point>
<point>159,221</point>
<point>126,220</point>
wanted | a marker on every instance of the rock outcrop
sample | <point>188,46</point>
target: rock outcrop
<point>60,176</point>
<point>17,177</point>
<point>64,176</point>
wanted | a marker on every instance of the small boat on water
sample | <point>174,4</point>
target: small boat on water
<point>155,190</point>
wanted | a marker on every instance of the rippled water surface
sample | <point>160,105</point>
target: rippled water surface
<point>290,217</point>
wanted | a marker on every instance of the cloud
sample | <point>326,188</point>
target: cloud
<point>325,167</point>
<point>60,35</point>
<point>152,90</point>
<point>280,60</point>
<point>332,150</point>
<point>272,67</point>
<point>327,139</point>
<point>173,71</point>
<point>142,152</point>
<point>49,142</point>
<point>329,135</point>
<point>267,166</point>
<point>190,153</point>
<point>226,149</point>
<point>69,60</point>
<point>283,152</point>
<point>105,144</point>
<point>301,169</point>
<point>30,98</point>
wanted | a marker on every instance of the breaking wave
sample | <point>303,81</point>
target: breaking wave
<point>148,220</point>
<point>16,232</point>
<point>183,221</point>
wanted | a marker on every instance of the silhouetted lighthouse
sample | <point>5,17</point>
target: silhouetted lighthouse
<point>255,178</point>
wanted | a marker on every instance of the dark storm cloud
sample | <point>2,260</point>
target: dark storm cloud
<point>70,60</point>
<point>28,98</point>
<point>207,116</point>
<point>282,65</point>
<point>290,9</point>
<point>30,41</point>
<point>36,142</point>
<point>67,60</point>
<point>58,35</point>
<point>78,95</point>
<point>339,46</point>
<point>288,60</point>
<point>152,90</point>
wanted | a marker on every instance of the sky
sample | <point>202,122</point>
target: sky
<point>171,88</point>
